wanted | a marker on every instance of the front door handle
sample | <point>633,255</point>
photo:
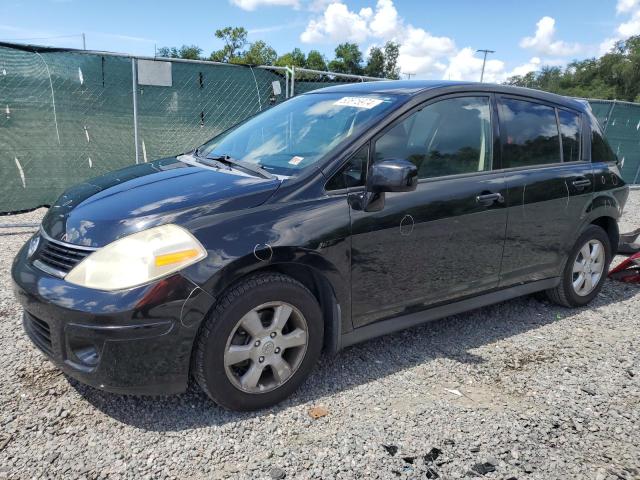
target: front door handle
<point>488,199</point>
<point>581,183</point>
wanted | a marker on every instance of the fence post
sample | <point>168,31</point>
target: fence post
<point>134,81</point>
<point>286,83</point>
<point>606,123</point>
<point>293,81</point>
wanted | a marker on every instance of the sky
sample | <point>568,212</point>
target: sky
<point>438,39</point>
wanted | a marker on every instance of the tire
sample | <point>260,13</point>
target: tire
<point>247,325</point>
<point>566,293</point>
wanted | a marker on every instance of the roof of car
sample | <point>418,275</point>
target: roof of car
<point>415,87</point>
<point>397,87</point>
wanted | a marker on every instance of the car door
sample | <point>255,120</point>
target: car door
<point>445,239</point>
<point>549,186</point>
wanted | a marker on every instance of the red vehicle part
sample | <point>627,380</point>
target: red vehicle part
<point>628,271</point>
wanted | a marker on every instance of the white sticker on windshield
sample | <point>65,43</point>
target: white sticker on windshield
<point>296,160</point>
<point>359,102</point>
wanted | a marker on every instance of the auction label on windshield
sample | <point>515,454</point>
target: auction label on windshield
<point>359,102</point>
<point>296,160</point>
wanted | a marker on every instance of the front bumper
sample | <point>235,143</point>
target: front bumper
<point>137,341</point>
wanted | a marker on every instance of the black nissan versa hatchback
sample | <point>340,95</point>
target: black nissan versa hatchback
<point>334,217</point>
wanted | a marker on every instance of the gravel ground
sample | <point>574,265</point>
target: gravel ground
<point>520,390</point>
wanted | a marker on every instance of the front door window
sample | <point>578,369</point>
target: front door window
<point>449,137</point>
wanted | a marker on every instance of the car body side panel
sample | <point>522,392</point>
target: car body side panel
<point>426,247</point>
<point>544,210</point>
<point>609,198</point>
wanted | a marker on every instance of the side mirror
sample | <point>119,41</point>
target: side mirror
<point>392,176</point>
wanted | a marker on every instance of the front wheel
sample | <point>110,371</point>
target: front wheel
<point>586,269</point>
<point>260,343</point>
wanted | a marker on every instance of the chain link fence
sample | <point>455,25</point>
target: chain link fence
<point>304,80</point>
<point>68,115</point>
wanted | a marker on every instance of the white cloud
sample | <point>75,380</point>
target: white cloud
<point>386,23</point>
<point>627,28</point>
<point>318,5</point>
<point>626,6</point>
<point>251,5</point>
<point>421,53</point>
<point>544,43</point>
<point>418,42</point>
<point>631,27</point>
<point>464,65</point>
<point>338,24</point>
<point>531,66</point>
<point>606,45</point>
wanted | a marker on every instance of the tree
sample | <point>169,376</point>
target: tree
<point>235,39</point>
<point>189,52</point>
<point>348,59</point>
<point>375,63</point>
<point>316,61</point>
<point>295,58</point>
<point>391,54</point>
<point>384,63</point>
<point>615,75</point>
<point>259,53</point>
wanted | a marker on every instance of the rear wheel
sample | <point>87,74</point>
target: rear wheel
<point>586,269</point>
<point>260,343</point>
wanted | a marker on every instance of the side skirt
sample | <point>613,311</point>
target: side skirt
<point>406,321</point>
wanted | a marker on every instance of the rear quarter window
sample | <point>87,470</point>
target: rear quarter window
<point>600,149</point>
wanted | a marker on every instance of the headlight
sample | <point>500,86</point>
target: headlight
<point>138,259</point>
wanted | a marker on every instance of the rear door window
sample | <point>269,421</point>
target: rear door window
<point>530,134</point>
<point>570,128</point>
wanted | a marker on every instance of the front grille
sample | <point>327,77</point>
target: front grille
<point>39,331</point>
<point>60,256</point>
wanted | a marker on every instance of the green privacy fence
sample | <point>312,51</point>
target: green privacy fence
<point>69,115</point>
<point>621,123</point>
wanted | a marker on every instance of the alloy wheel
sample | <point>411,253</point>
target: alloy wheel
<point>266,347</point>
<point>588,267</point>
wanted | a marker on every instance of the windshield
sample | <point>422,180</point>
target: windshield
<point>297,133</point>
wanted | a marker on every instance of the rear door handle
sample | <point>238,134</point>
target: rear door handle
<point>581,183</point>
<point>488,199</point>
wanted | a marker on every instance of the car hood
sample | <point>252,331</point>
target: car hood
<point>103,209</point>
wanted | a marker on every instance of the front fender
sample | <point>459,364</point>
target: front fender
<point>313,234</point>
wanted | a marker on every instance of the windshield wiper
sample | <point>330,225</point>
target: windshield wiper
<point>248,166</point>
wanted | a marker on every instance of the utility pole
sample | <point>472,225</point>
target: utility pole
<point>409,75</point>
<point>484,62</point>
<point>84,41</point>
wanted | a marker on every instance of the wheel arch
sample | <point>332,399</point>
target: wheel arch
<point>609,225</point>
<point>311,269</point>
<point>604,211</point>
